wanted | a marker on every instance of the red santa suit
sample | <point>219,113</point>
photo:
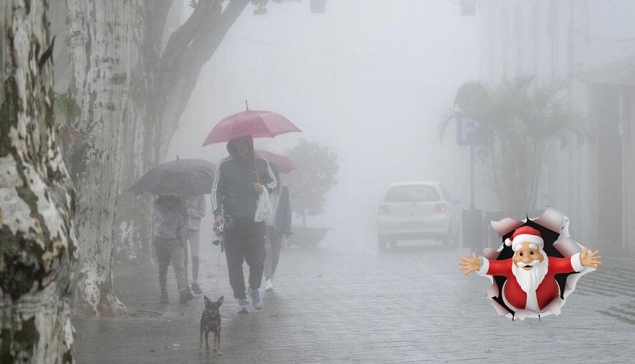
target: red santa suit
<point>545,299</point>
<point>548,289</point>
<point>545,293</point>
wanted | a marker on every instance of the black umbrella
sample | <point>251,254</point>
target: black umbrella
<point>185,177</point>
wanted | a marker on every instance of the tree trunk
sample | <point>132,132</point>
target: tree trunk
<point>538,151</point>
<point>162,84</point>
<point>38,253</point>
<point>187,51</point>
<point>101,55</point>
<point>132,227</point>
<point>494,156</point>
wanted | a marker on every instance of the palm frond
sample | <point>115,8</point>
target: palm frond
<point>449,116</point>
<point>523,115</point>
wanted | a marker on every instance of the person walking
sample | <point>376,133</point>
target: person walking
<point>278,227</point>
<point>239,181</point>
<point>170,217</point>
<point>195,206</point>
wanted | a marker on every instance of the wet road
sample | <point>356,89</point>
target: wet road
<point>345,303</point>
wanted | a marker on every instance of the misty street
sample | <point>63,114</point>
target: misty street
<point>317,181</point>
<point>345,303</point>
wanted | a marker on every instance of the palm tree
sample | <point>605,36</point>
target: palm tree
<point>522,117</point>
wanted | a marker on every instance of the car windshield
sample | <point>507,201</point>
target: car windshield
<point>414,193</point>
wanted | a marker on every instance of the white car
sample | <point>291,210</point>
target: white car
<point>417,210</point>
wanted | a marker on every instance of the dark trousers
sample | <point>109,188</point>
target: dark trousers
<point>245,241</point>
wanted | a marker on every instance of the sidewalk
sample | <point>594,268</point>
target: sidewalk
<point>345,303</point>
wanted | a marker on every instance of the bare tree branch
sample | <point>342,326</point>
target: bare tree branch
<point>156,16</point>
<point>181,39</point>
<point>180,71</point>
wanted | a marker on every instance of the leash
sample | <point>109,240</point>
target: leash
<point>221,246</point>
<point>228,224</point>
<point>218,272</point>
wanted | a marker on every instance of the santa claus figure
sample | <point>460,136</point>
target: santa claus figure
<point>530,288</point>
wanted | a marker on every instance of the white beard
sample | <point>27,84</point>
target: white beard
<point>530,280</point>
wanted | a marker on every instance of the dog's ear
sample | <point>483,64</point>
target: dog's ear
<point>220,300</point>
<point>206,300</point>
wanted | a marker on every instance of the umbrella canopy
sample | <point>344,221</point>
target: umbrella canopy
<point>284,164</point>
<point>185,177</point>
<point>257,123</point>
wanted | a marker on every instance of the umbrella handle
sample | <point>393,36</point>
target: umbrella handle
<point>256,167</point>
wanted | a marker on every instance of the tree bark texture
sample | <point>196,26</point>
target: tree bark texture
<point>130,91</point>
<point>38,252</point>
<point>187,51</point>
<point>102,52</point>
<point>162,83</point>
<point>132,227</point>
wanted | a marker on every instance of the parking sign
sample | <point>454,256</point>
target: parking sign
<point>469,132</point>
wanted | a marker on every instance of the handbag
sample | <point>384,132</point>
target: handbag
<point>263,211</point>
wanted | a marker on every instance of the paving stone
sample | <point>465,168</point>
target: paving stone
<point>343,302</point>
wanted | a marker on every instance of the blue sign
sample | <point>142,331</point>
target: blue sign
<point>470,132</point>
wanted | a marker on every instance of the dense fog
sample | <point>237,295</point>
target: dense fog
<point>367,78</point>
<point>153,182</point>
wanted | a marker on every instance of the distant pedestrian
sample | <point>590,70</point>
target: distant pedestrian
<point>195,206</point>
<point>278,227</point>
<point>170,217</point>
<point>235,195</point>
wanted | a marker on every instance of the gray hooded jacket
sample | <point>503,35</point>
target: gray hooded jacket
<point>232,192</point>
<point>169,216</point>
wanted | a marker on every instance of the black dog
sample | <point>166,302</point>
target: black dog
<point>210,321</point>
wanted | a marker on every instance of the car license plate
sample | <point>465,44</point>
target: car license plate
<point>412,225</point>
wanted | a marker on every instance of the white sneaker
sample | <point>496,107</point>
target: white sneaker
<point>255,297</point>
<point>244,306</point>
<point>269,285</point>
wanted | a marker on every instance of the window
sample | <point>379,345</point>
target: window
<point>412,194</point>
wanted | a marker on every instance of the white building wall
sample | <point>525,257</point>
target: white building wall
<point>555,39</point>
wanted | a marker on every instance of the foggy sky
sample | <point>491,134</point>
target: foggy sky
<point>368,78</point>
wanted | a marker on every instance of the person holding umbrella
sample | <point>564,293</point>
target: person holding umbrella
<point>170,219</point>
<point>238,183</point>
<point>172,182</point>
<point>237,197</point>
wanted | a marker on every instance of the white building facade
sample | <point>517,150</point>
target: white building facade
<point>590,44</point>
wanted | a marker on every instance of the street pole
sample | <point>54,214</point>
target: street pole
<point>472,179</point>
<point>472,219</point>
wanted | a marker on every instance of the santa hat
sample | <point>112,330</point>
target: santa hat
<point>525,234</point>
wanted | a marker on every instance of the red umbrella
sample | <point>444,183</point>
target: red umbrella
<point>257,123</point>
<point>284,164</point>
